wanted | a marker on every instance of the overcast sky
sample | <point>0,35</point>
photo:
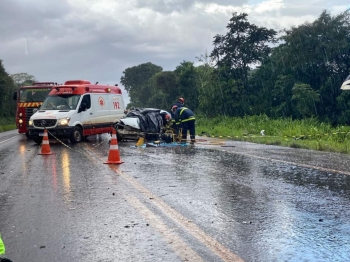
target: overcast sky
<point>96,40</point>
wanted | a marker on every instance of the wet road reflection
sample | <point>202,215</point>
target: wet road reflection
<point>171,204</point>
<point>65,166</point>
<point>279,211</point>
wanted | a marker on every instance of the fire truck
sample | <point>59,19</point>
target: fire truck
<point>29,99</point>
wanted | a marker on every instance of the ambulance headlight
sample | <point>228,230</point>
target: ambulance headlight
<point>30,122</point>
<point>20,121</point>
<point>63,121</point>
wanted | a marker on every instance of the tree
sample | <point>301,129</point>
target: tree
<point>166,88</point>
<point>318,54</point>
<point>22,79</point>
<point>305,99</point>
<point>7,87</point>
<point>206,85</point>
<point>186,76</point>
<point>244,46</point>
<point>135,78</point>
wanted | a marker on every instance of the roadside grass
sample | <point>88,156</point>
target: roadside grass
<point>307,133</point>
<point>4,128</point>
<point>7,124</point>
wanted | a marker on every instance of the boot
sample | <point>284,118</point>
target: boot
<point>4,259</point>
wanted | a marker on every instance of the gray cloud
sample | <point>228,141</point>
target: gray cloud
<point>225,2</point>
<point>58,40</point>
<point>166,6</point>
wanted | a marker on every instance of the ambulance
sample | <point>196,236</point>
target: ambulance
<point>77,109</point>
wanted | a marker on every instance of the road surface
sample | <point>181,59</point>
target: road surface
<point>216,201</point>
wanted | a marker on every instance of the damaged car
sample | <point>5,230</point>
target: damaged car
<point>149,123</point>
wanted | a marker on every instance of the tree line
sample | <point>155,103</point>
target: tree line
<point>8,85</point>
<point>295,73</point>
<point>251,70</point>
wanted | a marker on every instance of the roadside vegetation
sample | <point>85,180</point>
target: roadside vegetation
<point>7,124</point>
<point>307,133</point>
<point>286,83</point>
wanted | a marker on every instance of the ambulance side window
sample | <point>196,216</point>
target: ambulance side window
<point>85,103</point>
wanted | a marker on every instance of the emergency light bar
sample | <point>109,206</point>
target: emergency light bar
<point>44,83</point>
<point>58,88</point>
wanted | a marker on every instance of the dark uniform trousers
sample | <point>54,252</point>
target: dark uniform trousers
<point>188,126</point>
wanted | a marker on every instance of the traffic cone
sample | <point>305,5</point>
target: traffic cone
<point>113,155</point>
<point>45,146</point>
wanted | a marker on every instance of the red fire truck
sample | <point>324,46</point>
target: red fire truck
<point>29,99</point>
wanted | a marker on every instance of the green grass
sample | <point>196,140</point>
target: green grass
<point>306,133</point>
<point>7,124</point>
<point>4,128</point>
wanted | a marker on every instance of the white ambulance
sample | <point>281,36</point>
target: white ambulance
<point>76,110</point>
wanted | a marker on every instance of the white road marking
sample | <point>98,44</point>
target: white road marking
<point>8,139</point>
<point>179,246</point>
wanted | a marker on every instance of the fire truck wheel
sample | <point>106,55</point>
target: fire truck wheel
<point>38,139</point>
<point>77,135</point>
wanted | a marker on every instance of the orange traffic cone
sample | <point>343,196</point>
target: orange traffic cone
<point>113,155</point>
<point>45,146</point>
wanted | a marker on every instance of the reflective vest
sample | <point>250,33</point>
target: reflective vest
<point>189,118</point>
<point>2,246</point>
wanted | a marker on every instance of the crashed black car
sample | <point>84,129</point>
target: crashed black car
<point>148,123</point>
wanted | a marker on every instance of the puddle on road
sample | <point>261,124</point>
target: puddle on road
<point>278,210</point>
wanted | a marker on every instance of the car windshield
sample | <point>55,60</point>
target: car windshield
<point>33,94</point>
<point>61,102</point>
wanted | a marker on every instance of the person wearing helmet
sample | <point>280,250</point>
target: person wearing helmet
<point>185,118</point>
<point>179,103</point>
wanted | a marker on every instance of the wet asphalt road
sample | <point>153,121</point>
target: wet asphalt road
<point>217,201</point>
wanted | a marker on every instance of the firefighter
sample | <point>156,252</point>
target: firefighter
<point>179,103</point>
<point>186,121</point>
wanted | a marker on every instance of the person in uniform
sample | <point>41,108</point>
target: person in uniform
<point>186,121</point>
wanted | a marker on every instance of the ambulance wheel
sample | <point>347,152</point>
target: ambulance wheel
<point>77,135</point>
<point>38,139</point>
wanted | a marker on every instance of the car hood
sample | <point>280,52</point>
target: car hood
<point>131,121</point>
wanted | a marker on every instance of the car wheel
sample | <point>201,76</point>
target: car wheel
<point>38,139</point>
<point>120,138</point>
<point>77,135</point>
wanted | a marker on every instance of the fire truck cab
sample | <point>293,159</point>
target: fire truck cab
<point>29,99</point>
<point>76,110</point>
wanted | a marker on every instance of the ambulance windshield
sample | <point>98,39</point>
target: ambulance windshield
<point>61,102</point>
